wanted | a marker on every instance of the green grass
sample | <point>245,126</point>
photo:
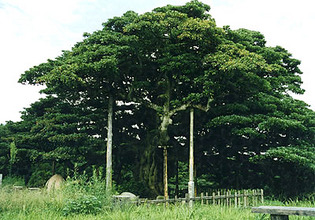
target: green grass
<point>32,205</point>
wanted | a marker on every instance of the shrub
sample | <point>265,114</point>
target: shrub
<point>13,181</point>
<point>39,175</point>
<point>85,204</point>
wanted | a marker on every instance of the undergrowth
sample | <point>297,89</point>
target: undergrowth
<point>85,198</point>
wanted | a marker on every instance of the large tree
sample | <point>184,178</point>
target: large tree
<point>144,71</point>
<point>171,44</point>
<point>163,70</point>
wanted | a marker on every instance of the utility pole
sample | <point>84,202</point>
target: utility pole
<point>109,156</point>
<point>191,184</point>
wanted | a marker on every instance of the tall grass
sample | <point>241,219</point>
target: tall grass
<point>33,205</point>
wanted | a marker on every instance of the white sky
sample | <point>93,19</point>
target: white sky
<point>33,31</point>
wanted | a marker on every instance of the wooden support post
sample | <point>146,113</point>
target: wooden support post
<point>227,198</point>
<point>219,200</point>
<point>254,197</point>
<point>191,184</point>
<point>109,148</point>
<point>187,198</point>
<point>239,198</point>
<point>207,199</point>
<point>201,198</point>
<point>164,202</point>
<point>165,173</point>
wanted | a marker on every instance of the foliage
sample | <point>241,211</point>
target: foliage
<point>9,181</point>
<point>82,205</point>
<point>4,149</point>
<point>39,175</point>
<point>179,183</point>
<point>13,152</point>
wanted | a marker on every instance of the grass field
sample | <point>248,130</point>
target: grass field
<point>40,205</point>
<point>84,202</point>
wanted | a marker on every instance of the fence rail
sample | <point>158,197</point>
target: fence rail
<point>236,198</point>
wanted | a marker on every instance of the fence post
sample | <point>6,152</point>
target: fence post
<point>256,197</point>
<point>235,199</point>
<point>223,195</point>
<point>245,198</point>
<point>207,198</point>
<point>201,198</point>
<point>240,198</point>
<point>164,202</point>
<point>213,198</point>
<point>227,198</point>
<point>262,195</point>
<point>187,198</point>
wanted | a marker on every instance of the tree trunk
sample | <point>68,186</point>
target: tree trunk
<point>163,140</point>
<point>149,171</point>
<point>109,145</point>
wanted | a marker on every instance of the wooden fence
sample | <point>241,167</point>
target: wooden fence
<point>236,198</point>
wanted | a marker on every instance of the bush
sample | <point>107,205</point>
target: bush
<point>85,195</point>
<point>86,204</point>
<point>13,181</point>
<point>39,175</point>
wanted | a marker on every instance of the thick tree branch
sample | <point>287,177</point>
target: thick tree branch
<point>187,105</point>
<point>154,106</point>
<point>180,108</point>
<point>204,108</point>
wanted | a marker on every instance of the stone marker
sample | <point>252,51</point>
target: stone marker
<point>128,194</point>
<point>54,182</point>
<point>125,197</point>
